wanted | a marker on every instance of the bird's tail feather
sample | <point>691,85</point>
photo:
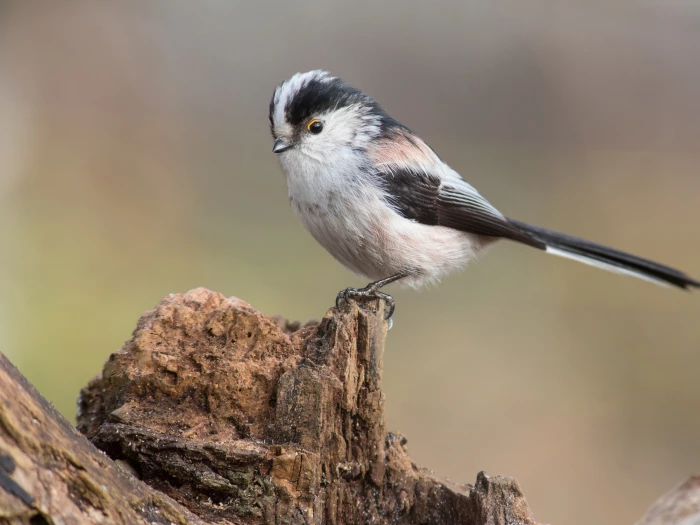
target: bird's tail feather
<point>607,258</point>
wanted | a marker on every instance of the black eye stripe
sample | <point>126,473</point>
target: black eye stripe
<point>318,96</point>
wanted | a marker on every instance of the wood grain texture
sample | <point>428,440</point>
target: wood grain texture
<point>51,474</point>
<point>244,418</point>
<point>214,413</point>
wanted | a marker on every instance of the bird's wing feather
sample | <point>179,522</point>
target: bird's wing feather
<point>430,200</point>
<point>423,188</point>
<point>461,207</point>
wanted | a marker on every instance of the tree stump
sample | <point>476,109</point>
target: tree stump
<point>243,418</point>
<point>213,413</point>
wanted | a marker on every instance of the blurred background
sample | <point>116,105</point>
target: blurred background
<point>135,161</point>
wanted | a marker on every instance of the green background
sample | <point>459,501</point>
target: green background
<point>135,162</point>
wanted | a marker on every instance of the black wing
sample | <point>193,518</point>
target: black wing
<point>429,200</point>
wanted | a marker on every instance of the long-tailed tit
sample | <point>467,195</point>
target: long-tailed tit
<point>382,202</point>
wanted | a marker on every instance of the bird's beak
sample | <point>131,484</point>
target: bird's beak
<point>281,146</point>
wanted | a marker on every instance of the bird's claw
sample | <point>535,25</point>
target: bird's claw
<point>343,296</point>
<point>390,303</point>
<point>369,291</point>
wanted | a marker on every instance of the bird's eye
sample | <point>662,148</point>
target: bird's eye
<point>315,126</point>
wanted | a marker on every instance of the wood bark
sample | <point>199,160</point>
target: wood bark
<point>247,419</point>
<point>50,474</point>
<point>679,506</point>
<point>214,413</point>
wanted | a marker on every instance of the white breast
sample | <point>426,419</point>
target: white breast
<point>346,212</point>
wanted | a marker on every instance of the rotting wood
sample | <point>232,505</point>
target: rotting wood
<point>243,417</point>
<point>232,417</point>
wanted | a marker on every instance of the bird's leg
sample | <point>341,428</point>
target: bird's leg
<point>372,290</point>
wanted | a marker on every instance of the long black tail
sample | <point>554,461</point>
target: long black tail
<point>606,258</point>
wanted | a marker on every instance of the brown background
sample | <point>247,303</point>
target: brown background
<point>135,161</point>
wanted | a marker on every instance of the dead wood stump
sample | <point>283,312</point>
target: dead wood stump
<point>243,418</point>
<point>50,474</point>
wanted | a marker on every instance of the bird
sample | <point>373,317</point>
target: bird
<point>388,208</point>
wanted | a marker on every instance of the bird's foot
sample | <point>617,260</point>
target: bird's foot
<point>370,291</point>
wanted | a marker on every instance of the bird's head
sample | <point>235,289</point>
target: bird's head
<point>319,116</point>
